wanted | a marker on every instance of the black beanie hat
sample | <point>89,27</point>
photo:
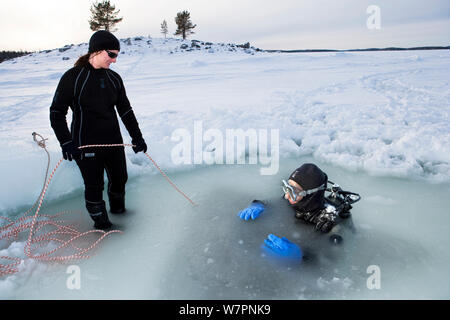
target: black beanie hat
<point>309,176</point>
<point>103,40</point>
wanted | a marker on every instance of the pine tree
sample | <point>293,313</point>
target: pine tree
<point>185,26</point>
<point>164,29</point>
<point>104,16</point>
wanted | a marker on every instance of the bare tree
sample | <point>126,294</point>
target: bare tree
<point>104,16</point>
<point>164,29</point>
<point>185,26</point>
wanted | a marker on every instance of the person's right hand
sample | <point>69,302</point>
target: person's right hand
<point>70,151</point>
<point>252,211</point>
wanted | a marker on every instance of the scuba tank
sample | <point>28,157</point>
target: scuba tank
<point>338,203</point>
<point>341,200</point>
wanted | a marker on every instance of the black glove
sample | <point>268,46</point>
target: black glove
<point>70,151</point>
<point>326,221</point>
<point>140,145</point>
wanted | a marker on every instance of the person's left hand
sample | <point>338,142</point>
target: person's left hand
<point>325,222</point>
<point>282,247</point>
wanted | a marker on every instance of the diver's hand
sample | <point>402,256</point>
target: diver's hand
<point>282,247</point>
<point>325,221</point>
<point>252,211</point>
<point>325,226</point>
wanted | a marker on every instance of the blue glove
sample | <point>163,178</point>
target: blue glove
<point>252,211</point>
<point>282,247</point>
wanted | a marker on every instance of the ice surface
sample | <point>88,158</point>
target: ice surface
<point>377,122</point>
<point>172,250</point>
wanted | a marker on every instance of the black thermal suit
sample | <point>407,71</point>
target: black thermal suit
<point>92,94</point>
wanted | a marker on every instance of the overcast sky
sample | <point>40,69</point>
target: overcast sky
<point>267,24</point>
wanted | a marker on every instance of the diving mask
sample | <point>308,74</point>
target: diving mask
<point>294,193</point>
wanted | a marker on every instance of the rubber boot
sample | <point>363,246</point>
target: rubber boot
<point>116,202</point>
<point>98,213</point>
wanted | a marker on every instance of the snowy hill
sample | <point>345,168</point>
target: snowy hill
<point>170,45</point>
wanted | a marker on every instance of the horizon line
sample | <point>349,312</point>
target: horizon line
<point>390,48</point>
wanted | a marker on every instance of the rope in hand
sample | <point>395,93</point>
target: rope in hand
<point>51,231</point>
<point>154,163</point>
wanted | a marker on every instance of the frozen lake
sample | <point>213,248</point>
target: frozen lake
<point>376,122</point>
<point>172,250</point>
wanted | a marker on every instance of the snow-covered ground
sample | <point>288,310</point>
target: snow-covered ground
<point>376,122</point>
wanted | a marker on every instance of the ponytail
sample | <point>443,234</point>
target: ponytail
<point>83,60</point>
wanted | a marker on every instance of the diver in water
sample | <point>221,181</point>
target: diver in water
<point>305,191</point>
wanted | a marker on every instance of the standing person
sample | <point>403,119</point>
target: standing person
<point>91,90</point>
